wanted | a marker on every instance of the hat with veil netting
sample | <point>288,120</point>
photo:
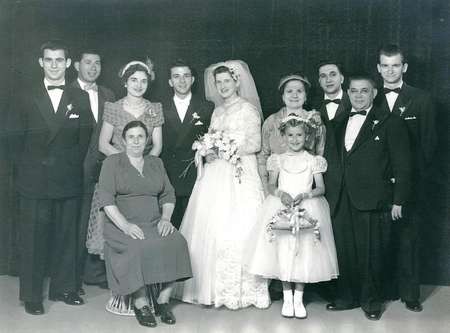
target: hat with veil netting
<point>240,72</point>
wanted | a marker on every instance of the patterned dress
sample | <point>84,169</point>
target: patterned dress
<point>115,115</point>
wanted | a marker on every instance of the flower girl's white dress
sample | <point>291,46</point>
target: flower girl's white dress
<point>288,257</point>
<point>221,212</point>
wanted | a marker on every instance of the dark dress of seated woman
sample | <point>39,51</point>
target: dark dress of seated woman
<point>141,245</point>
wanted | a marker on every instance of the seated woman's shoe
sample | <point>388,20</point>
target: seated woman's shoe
<point>70,298</point>
<point>166,315</point>
<point>145,316</point>
<point>34,308</point>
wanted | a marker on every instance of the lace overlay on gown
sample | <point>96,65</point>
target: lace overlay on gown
<point>220,215</point>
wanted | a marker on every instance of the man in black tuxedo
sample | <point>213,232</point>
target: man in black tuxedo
<point>374,156</point>
<point>50,132</point>
<point>186,117</point>
<point>91,268</point>
<point>414,106</point>
<point>334,106</point>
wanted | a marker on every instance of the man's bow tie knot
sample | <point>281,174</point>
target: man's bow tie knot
<point>336,100</point>
<point>91,86</point>
<point>50,87</point>
<point>361,113</point>
<point>388,90</point>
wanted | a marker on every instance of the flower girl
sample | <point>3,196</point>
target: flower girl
<point>294,241</point>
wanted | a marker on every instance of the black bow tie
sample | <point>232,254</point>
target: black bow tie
<point>328,101</point>
<point>361,113</point>
<point>388,90</point>
<point>62,86</point>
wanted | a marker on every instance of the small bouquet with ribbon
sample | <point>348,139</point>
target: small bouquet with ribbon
<point>294,219</point>
<point>221,143</point>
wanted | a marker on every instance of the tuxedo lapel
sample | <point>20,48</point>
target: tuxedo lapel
<point>403,100</point>
<point>343,107</point>
<point>364,133</point>
<point>188,121</point>
<point>45,107</point>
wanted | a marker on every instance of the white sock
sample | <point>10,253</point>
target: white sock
<point>287,295</point>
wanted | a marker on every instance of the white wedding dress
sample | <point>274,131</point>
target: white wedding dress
<point>220,215</point>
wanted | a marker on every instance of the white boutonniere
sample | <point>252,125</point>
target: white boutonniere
<point>198,123</point>
<point>402,110</point>
<point>377,138</point>
<point>69,108</point>
<point>374,123</point>
<point>195,116</point>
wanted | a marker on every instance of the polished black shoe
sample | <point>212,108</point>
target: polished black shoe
<point>373,315</point>
<point>166,315</point>
<point>101,285</point>
<point>414,306</point>
<point>145,316</point>
<point>340,307</point>
<point>70,298</point>
<point>34,308</point>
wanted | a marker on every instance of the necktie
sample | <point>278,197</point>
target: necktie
<point>328,101</point>
<point>91,86</point>
<point>388,90</point>
<point>62,86</point>
<point>361,113</point>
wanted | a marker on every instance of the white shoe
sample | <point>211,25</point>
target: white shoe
<point>299,310</point>
<point>288,309</point>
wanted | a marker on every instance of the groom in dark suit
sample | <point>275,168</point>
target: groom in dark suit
<point>334,105</point>
<point>414,106</point>
<point>186,117</point>
<point>91,268</point>
<point>50,132</point>
<point>374,155</point>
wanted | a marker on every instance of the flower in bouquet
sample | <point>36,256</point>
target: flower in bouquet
<point>224,145</point>
<point>292,218</point>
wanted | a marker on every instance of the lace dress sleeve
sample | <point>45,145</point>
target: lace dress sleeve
<point>250,129</point>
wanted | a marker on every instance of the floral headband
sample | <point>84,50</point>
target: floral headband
<point>293,77</point>
<point>233,70</point>
<point>135,62</point>
<point>308,120</point>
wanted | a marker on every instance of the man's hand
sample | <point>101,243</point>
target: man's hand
<point>211,157</point>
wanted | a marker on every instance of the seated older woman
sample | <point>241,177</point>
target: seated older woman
<point>142,247</point>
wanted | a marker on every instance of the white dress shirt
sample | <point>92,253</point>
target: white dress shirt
<point>391,97</point>
<point>354,125</point>
<point>332,107</point>
<point>54,94</point>
<point>93,98</point>
<point>182,105</point>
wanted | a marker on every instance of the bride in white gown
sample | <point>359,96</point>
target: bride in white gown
<point>223,208</point>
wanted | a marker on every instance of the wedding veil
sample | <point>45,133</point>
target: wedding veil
<point>247,88</point>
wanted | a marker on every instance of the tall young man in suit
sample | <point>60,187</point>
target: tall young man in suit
<point>373,148</point>
<point>334,106</point>
<point>50,132</point>
<point>414,106</point>
<point>91,269</point>
<point>187,117</point>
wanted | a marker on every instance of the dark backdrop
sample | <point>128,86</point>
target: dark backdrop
<point>273,36</point>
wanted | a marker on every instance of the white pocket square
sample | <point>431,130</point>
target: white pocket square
<point>74,116</point>
<point>377,138</point>
<point>410,118</point>
<point>198,123</point>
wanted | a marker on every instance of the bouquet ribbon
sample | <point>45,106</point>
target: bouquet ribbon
<point>199,164</point>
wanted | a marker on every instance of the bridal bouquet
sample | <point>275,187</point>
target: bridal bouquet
<point>292,218</point>
<point>224,145</point>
